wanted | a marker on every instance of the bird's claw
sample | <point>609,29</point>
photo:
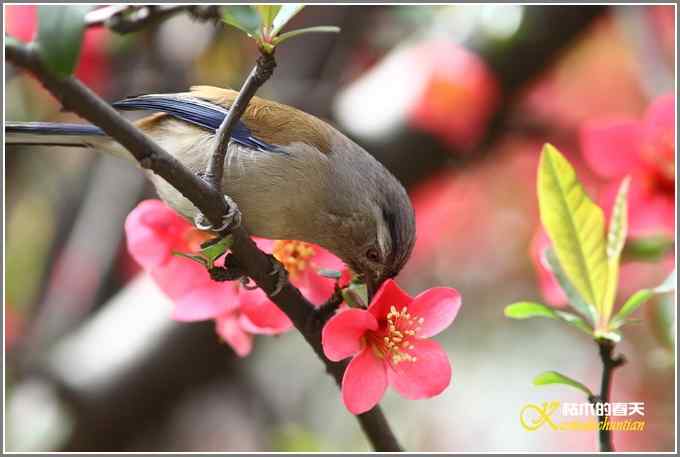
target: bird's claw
<point>230,221</point>
<point>281,276</point>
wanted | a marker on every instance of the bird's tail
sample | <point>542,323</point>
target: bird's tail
<point>58,134</point>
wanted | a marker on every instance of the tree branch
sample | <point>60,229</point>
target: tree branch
<point>258,76</point>
<point>78,98</point>
<point>609,363</point>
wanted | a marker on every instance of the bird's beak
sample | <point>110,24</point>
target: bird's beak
<point>372,285</point>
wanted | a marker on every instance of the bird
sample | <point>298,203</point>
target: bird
<point>292,175</point>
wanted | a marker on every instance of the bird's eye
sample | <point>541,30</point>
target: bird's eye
<point>373,255</point>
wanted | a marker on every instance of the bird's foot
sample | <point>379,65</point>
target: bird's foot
<point>281,276</point>
<point>230,221</point>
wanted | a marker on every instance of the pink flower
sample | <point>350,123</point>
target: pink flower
<point>255,315</point>
<point>458,96</point>
<point>388,345</point>
<point>154,232</point>
<point>644,149</point>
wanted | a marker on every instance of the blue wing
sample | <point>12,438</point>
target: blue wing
<point>198,112</point>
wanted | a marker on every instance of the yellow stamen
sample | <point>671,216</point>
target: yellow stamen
<point>401,328</point>
<point>294,255</point>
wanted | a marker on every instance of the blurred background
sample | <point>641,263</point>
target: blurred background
<point>457,102</point>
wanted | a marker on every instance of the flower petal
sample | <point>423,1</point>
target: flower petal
<point>389,294</point>
<point>325,259</point>
<point>151,229</point>
<point>206,302</point>
<point>316,288</point>
<point>612,148</point>
<point>341,336</point>
<point>437,307</point>
<point>661,114</point>
<point>144,246</point>
<point>249,327</point>
<point>228,328</point>
<point>428,376</point>
<point>262,313</point>
<point>264,244</point>
<point>179,276</point>
<point>364,382</point>
<point>658,144</point>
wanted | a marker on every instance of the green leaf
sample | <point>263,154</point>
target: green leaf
<point>574,224</point>
<point>293,33</point>
<point>60,35</point>
<point>576,321</point>
<point>575,299</point>
<point>633,303</point>
<point>554,377</point>
<point>647,249</point>
<point>616,238</point>
<point>267,14</point>
<point>242,17</point>
<point>527,310</point>
<point>285,14</point>
<point>216,250</point>
<point>618,222</point>
<point>639,298</point>
<point>196,258</point>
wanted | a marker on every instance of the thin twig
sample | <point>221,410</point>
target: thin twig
<point>258,76</point>
<point>609,363</point>
<point>77,98</point>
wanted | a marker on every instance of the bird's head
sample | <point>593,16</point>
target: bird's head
<point>388,245</point>
<point>377,229</point>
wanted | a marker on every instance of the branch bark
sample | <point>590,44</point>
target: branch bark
<point>609,363</point>
<point>258,76</point>
<point>79,99</point>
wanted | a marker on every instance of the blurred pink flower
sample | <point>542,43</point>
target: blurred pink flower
<point>93,67</point>
<point>550,288</point>
<point>388,345</point>
<point>459,95</point>
<point>581,83</point>
<point>154,232</point>
<point>644,149</point>
<point>255,314</point>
